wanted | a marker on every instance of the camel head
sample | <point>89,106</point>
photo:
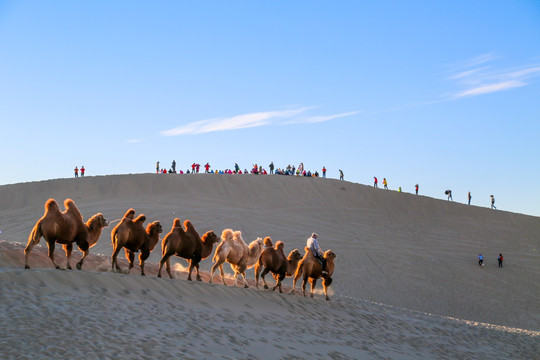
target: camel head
<point>210,237</point>
<point>227,234</point>
<point>154,228</point>
<point>329,254</point>
<point>95,224</point>
<point>294,255</point>
<point>258,243</point>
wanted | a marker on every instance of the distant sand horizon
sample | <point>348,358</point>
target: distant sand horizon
<point>406,285</point>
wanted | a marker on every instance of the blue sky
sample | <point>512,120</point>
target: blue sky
<point>443,94</point>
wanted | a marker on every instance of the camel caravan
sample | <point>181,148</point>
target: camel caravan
<point>68,227</point>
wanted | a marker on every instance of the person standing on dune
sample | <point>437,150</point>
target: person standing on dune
<point>469,197</point>
<point>76,172</point>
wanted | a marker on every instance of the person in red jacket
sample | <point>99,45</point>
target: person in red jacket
<point>323,172</point>
<point>375,182</point>
<point>82,171</point>
<point>76,172</point>
<point>207,168</point>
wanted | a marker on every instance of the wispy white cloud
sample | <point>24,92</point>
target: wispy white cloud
<point>323,118</point>
<point>489,88</point>
<point>133,141</point>
<point>251,120</point>
<point>489,78</point>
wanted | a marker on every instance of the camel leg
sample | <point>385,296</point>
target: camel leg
<point>114,262</point>
<point>85,254</point>
<point>190,269</point>
<point>304,282</point>
<point>297,275</point>
<point>68,248</point>
<point>142,258</point>
<point>130,256</point>
<point>313,282</point>
<point>198,275</point>
<point>257,270</point>
<point>265,271</point>
<point>244,278</point>
<point>278,283</point>
<point>325,291</point>
<point>218,264</point>
<point>165,260</point>
<point>50,245</point>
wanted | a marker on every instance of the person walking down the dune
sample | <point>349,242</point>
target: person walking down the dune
<point>469,197</point>
<point>76,172</point>
<point>385,183</point>
<point>449,193</point>
<point>500,260</point>
<point>493,202</point>
<point>375,182</point>
<point>416,189</point>
<point>313,246</point>
<point>341,177</point>
<point>82,171</point>
<point>480,260</point>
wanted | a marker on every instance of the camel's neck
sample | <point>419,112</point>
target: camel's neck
<point>206,249</point>
<point>330,266</point>
<point>93,236</point>
<point>253,255</point>
<point>291,266</point>
<point>154,239</point>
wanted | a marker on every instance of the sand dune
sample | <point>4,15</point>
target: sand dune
<point>406,284</point>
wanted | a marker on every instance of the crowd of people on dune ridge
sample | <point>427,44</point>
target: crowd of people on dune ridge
<point>68,228</point>
<point>254,169</point>
<point>289,170</point>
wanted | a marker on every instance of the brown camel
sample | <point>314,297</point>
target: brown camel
<point>188,245</point>
<point>65,228</point>
<point>237,253</point>
<point>273,259</point>
<point>131,235</point>
<point>311,268</point>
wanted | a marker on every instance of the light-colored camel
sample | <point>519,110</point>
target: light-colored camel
<point>65,228</point>
<point>188,245</point>
<point>234,250</point>
<point>311,269</point>
<point>131,235</point>
<point>273,260</point>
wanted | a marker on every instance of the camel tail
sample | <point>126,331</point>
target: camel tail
<point>35,234</point>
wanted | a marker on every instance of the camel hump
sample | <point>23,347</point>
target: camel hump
<point>51,205</point>
<point>72,208</point>
<point>227,234</point>
<point>280,245</point>
<point>188,225</point>
<point>268,242</point>
<point>140,219</point>
<point>237,236</point>
<point>130,214</point>
<point>176,223</point>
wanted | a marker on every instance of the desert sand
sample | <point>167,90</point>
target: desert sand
<point>406,284</point>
